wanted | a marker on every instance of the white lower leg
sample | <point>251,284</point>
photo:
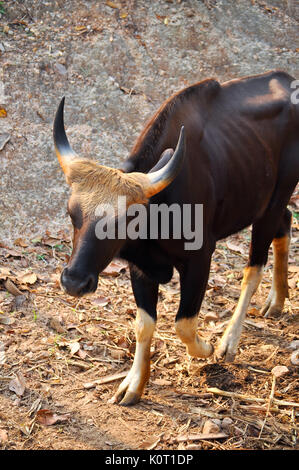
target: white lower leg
<point>229,341</point>
<point>132,386</point>
<point>186,331</point>
<point>279,288</point>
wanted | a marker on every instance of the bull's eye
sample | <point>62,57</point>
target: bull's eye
<point>76,216</point>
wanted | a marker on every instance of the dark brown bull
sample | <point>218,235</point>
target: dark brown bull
<point>238,157</point>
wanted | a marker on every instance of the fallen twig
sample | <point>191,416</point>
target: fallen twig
<point>277,371</point>
<point>80,364</point>
<point>239,396</point>
<point>106,379</point>
<point>200,437</point>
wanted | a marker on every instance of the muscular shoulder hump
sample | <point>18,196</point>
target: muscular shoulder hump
<point>272,96</point>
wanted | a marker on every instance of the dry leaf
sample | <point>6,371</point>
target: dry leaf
<point>293,269</point>
<point>7,320</point>
<point>293,282</point>
<point>234,247</point>
<point>50,241</point>
<point>295,200</point>
<point>28,278</point>
<point>18,385</point>
<point>162,382</point>
<point>101,301</point>
<point>114,268</point>
<point>254,312</point>
<point>12,288</point>
<point>122,342</point>
<point>2,354</point>
<point>4,273</point>
<point>217,280</point>
<point>82,354</point>
<point>48,417</point>
<point>3,436</point>
<point>80,28</point>
<point>150,443</point>
<point>14,253</point>
<point>74,348</point>
<point>117,353</point>
<point>20,242</point>
<point>111,4</point>
<point>3,113</point>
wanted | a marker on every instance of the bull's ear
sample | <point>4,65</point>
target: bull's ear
<point>64,151</point>
<point>162,177</point>
<point>127,167</point>
<point>164,158</point>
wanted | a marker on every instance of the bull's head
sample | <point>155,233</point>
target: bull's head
<point>93,184</point>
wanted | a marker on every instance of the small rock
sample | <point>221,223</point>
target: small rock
<point>217,421</point>
<point>294,344</point>
<point>279,371</point>
<point>60,69</point>
<point>211,317</point>
<point>210,427</point>
<point>226,422</point>
<point>295,357</point>
<point>4,138</point>
<point>56,325</point>
<point>19,301</point>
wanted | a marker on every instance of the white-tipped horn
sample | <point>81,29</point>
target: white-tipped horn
<point>158,180</point>
<point>64,151</point>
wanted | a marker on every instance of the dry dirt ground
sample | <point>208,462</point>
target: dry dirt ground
<point>56,351</point>
<point>116,62</point>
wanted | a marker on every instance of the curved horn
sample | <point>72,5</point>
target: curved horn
<point>63,150</point>
<point>159,179</point>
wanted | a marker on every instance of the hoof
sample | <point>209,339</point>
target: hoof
<point>271,311</point>
<point>129,399</point>
<point>226,351</point>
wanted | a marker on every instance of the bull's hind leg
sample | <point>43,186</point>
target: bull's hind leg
<point>230,340</point>
<point>262,235</point>
<point>279,289</point>
<point>273,222</point>
<point>146,296</point>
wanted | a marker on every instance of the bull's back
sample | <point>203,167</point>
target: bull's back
<point>236,168</point>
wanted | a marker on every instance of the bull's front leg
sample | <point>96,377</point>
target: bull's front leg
<point>194,278</point>
<point>146,295</point>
